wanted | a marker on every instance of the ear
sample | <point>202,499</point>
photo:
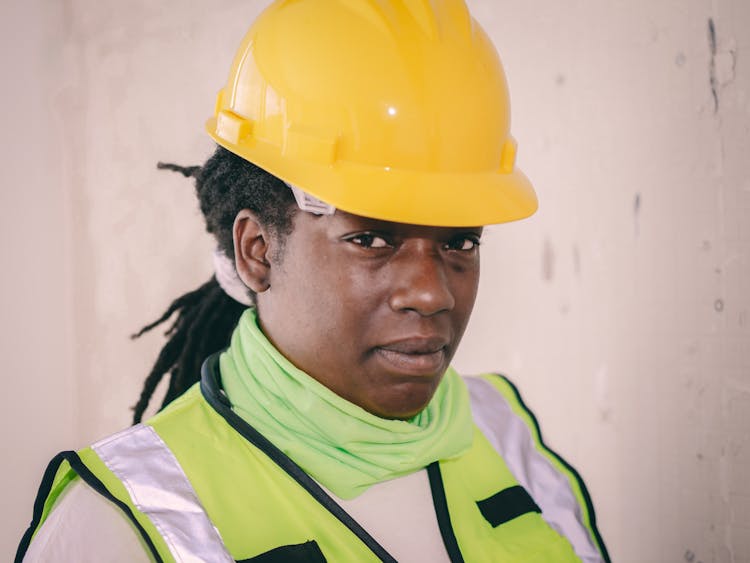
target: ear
<point>251,251</point>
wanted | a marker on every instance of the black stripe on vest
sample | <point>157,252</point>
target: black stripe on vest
<point>308,552</point>
<point>91,480</point>
<point>506,505</point>
<point>443,515</point>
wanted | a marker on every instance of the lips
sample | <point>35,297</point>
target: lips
<point>414,356</point>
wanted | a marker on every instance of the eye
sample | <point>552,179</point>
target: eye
<point>464,243</point>
<point>369,240</point>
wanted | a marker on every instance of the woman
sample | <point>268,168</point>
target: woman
<point>362,146</point>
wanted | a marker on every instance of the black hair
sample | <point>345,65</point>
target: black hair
<point>206,316</point>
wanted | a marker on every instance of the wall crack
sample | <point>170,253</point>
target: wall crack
<point>721,67</point>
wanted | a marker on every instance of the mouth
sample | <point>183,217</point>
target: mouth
<point>414,356</point>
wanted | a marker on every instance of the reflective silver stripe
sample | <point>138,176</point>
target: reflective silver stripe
<point>160,489</point>
<point>550,489</point>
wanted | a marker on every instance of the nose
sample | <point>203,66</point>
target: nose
<point>421,283</point>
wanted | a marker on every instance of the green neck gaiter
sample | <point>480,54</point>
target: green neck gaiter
<point>336,442</point>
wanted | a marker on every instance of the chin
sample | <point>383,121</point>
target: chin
<point>403,403</point>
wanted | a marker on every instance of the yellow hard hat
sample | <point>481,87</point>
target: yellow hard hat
<point>395,110</point>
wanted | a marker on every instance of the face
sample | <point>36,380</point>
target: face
<point>373,310</point>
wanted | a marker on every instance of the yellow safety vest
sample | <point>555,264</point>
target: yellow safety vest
<point>200,484</point>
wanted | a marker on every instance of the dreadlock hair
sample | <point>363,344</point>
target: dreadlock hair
<point>206,317</point>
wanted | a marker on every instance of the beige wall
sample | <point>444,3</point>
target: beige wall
<point>37,335</point>
<point>622,309</point>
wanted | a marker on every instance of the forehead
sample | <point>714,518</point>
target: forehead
<point>343,222</point>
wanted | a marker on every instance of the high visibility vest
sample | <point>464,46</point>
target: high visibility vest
<point>200,484</point>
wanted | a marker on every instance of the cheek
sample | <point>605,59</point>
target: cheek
<point>353,310</point>
<point>465,285</point>
<point>328,305</point>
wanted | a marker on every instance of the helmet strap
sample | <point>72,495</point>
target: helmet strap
<point>309,203</point>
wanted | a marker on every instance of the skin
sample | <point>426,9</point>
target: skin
<point>374,310</point>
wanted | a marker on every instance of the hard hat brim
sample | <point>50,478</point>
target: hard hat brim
<point>441,199</point>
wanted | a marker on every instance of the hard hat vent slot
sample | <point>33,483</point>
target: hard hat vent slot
<point>508,156</point>
<point>232,128</point>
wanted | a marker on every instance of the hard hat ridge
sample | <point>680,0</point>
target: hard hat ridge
<point>428,15</point>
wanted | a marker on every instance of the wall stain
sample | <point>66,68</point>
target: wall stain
<point>719,305</point>
<point>548,261</point>
<point>636,213</point>
<point>712,64</point>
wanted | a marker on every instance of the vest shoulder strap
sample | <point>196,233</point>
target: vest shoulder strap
<point>513,430</point>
